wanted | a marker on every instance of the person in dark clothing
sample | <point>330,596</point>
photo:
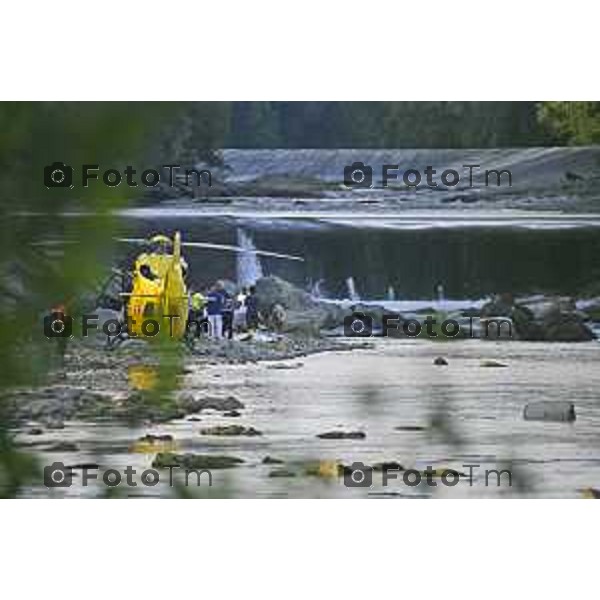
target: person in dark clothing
<point>227,313</point>
<point>251,309</point>
<point>216,298</point>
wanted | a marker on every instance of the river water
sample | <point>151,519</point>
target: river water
<point>393,384</point>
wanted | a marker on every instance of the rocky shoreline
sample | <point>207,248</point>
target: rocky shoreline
<point>99,386</point>
<point>533,318</point>
<point>96,385</point>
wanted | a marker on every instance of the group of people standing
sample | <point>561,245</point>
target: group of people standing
<point>219,313</point>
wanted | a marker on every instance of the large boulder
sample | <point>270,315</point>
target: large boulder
<point>303,314</point>
<point>541,306</point>
<point>274,290</point>
<point>371,310</point>
<point>523,320</point>
<point>558,320</point>
<point>525,325</point>
<point>500,305</point>
<point>552,319</point>
<point>561,326</point>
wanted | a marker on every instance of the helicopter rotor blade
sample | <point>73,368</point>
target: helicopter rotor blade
<point>53,243</point>
<point>240,249</point>
<point>226,247</point>
<point>140,241</point>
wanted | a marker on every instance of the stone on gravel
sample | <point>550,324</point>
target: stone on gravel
<point>53,404</point>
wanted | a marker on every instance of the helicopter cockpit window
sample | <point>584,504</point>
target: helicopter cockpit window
<point>161,248</point>
<point>146,271</point>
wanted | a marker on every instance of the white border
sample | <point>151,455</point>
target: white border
<point>298,549</point>
<point>310,50</point>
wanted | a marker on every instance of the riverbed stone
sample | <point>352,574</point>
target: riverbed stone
<point>590,493</point>
<point>196,404</point>
<point>153,438</point>
<point>195,461</point>
<point>544,410</point>
<point>233,430</point>
<point>63,447</point>
<point>389,465</point>
<point>281,473</point>
<point>342,435</point>
<point>490,363</point>
<point>232,413</point>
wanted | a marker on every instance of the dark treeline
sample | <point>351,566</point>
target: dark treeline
<point>197,131</point>
<point>386,124</point>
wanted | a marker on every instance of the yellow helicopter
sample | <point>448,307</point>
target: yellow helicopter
<point>158,301</point>
<point>158,293</point>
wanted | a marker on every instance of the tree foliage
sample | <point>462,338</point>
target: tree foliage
<point>576,123</point>
<point>384,124</point>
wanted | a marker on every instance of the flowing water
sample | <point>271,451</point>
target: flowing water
<point>248,267</point>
